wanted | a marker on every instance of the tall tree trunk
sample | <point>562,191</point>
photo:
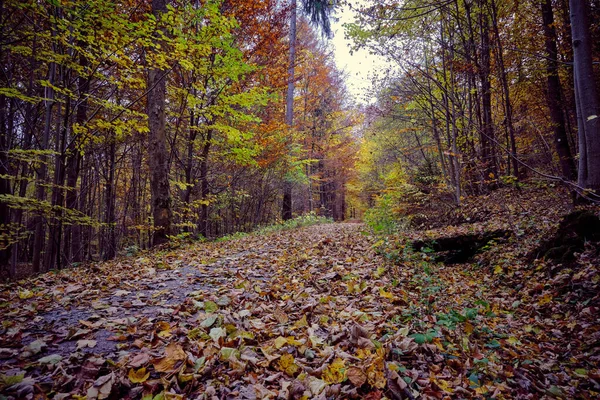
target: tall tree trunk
<point>508,117</point>
<point>289,110</point>
<point>109,248</point>
<point>72,232</point>
<point>204,189</point>
<point>5,245</point>
<point>588,101</point>
<point>157,149</point>
<point>53,259</point>
<point>487,130</point>
<point>40,220</point>
<point>554,94</point>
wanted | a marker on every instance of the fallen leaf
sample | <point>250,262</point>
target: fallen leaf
<point>51,359</point>
<point>335,372</point>
<point>287,364</point>
<point>138,376</point>
<point>357,376</point>
<point>81,344</point>
<point>139,360</point>
<point>173,354</point>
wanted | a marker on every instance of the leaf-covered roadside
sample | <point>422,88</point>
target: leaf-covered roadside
<point>319,312</point>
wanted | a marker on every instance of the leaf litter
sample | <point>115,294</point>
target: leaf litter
<point>319,312</point>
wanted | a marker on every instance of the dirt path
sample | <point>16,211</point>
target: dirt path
<point>319,312</point>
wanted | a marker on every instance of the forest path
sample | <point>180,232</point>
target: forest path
<point>322,312</point>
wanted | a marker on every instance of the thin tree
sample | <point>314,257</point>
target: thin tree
<point>554,93</point>
<point>318,12</point>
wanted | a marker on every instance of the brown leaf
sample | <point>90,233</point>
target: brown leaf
<point>139,360</point>
<point>173,353</point>
<point>357,376</point>
<point>280,316</point>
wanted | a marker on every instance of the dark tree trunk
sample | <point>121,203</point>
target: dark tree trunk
<point>554,94</point>
<point>109,248</point>
<point>157,147</point>
<point>53,259</point>
<point>40,220</point>
<point>204,188</point>
<point>487,130</point>
<point>72,239</point>
<point>5,245</point>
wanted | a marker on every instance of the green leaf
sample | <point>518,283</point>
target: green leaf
<point>210,306</point>
<point>209,321</point>
<point>419,338</point>
<point>51,359</point>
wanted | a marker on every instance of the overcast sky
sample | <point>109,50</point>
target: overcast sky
<point>360,65</point>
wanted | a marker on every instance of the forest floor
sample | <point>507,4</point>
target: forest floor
<point>326,311</point>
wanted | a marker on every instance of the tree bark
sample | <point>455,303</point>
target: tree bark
<point>204,188</point>
<point>72,242</point>
<point>554,94</point>
<point>5,246</point>
<point>289,110</point>
<point>588,101</point>
<point>40,220</point>
<point>109,248</point>
<point>508,113</point>
<point>157,148</point>
<point>488,154</point>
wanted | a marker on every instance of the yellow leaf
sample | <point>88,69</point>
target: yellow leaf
<point>164,329</point>
<point>375,374</point>
<point>468,327</point>
<point>498,270</point>
<point>25,294</point>
<point>173,353</point>
<point>545,299</point>
<point>292,341</point>
<point>301,322</point>
<point>286,364</point>
<point>335,372</point>
<point>138,376</point>
<point>280,342</point>
<point>386,295</point>
<point>351,287</point>
<point>444,385</point>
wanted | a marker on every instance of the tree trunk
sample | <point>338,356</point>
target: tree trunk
<point>5,245</point>
<point>554,94</point>
<point>53,259</point>
<point>40,220</point>
<point>289,110</point>
<point>72,240</point>
<point>204,189</point>
<point>109,248</point>
<point>589,103</point>
<point>157,147</point>
<point>508,117</point>
<point>488,154</point>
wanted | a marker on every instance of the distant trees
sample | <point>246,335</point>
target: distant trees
<point>125,124</point>
<point>318,12</point>
<point>480,91</point>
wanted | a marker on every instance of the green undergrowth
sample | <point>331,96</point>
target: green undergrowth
<point>298,222</point>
